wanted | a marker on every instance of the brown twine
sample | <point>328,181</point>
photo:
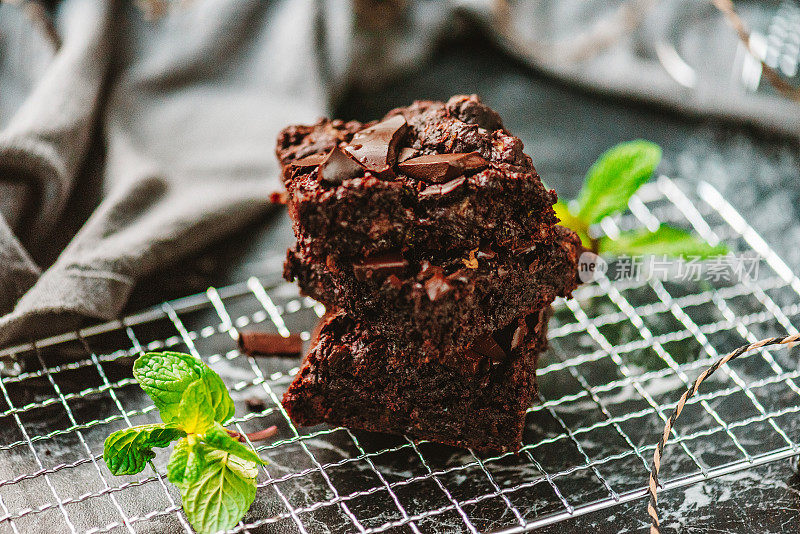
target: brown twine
<point>652,489</point>
<point>772,76</point>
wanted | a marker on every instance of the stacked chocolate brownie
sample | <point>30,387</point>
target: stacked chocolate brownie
<point>431,240</point>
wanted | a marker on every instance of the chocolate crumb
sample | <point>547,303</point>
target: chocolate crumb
<point>394,282</point>
<point>254,343</point>
<point>486,253</point>
<point>437,286</point>
<point>255,404</point>
<point>279,197</point>
<point>519,334</point>
<point>472,261</point>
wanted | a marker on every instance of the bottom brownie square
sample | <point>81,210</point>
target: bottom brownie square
<point>354,377</point>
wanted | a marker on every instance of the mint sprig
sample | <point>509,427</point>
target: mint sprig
<point>609,185</point>
<point>215,473</point>
<point>666,240</point>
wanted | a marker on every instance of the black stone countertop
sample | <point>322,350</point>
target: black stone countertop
<point>564,130</point>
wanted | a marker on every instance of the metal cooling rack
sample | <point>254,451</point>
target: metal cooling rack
<point>621,353</point>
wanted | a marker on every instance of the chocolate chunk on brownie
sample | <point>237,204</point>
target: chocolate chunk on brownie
<point>433,175</point>
<point>435,306</point>
<point>357,378</point>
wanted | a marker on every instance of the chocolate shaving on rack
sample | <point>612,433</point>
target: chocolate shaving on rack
<point>259,435</point>
<point>255,404</point>
<point>438,168</point>
<point>375,147</point>
<point>652,488</point>
<point>254,343</point>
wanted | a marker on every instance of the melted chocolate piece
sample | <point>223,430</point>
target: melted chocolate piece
<point>339,166</point>
<point>486,346</point>
<point>406,153</point>
<point>382,265</point>
<point>441,189</point>
<point>376,147</point>
<point>438,168</point>
<point>309,161</point>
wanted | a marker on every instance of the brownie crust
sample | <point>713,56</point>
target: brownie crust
<point>406,204</point>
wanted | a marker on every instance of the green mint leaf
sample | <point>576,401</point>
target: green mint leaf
<point>215,473</point>
<point>126,452</point>
<point>219,438</point>
<point>186,463</point>
<point>573,223</point>
<point>666,240</point>
<point>221,494</point>
<point>195,412</point>
<point>616,176</point>
<point>166,376</point>
<point>220,398</point>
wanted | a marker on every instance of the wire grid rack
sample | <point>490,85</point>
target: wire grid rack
<point>621,353</point>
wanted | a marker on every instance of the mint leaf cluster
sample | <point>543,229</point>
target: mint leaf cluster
<point>608,187</point>
<point>215,473</point>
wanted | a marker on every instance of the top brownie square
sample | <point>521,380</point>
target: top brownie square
<point>431,176</point>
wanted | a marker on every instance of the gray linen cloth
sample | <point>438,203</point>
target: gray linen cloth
<point>172,121</point>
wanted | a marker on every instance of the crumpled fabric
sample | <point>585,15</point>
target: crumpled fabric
<point>139,142</point>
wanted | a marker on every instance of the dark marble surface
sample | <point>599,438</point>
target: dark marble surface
<point>564,130</point>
